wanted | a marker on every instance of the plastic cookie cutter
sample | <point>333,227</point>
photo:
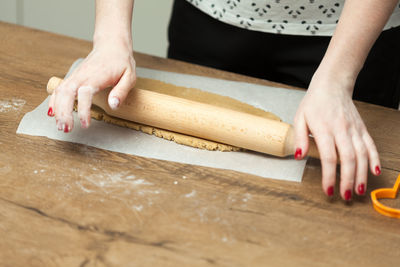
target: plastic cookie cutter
<point>386,193</point>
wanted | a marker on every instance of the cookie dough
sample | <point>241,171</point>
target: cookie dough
<point>190,94</point>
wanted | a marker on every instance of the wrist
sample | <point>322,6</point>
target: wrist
<point>341,74</point>
<point>113,22</point>
<point>346,69</point>
<point>122,39</point>
<point>333,80</point>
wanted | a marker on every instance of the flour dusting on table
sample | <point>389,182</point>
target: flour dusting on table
<point>13,104</point>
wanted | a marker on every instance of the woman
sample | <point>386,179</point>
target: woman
<point>281,40</point>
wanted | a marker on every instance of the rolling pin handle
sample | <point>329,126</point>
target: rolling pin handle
<point>289,142</point>
<point>53,83</point>
<point>290,145</point>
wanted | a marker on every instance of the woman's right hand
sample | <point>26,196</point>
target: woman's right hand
<point>109,64</point>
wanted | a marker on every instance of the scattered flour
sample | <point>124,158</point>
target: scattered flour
<point>141,182</point>
<point>138,207</point>
<point>231,198</point>
<point>83,188</point>
<point>115,180</point>
<point>130,177</point>
<point>246,197</point>
<point>11,104</point>
<point>191,194</point>
<point>134,192</point>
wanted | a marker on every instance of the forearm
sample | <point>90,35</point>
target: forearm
<point>359,26</point>
<point>113,21</point>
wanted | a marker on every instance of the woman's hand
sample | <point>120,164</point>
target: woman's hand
<point>328,113</point>
<point>327,110</point>
<point>110,64</point>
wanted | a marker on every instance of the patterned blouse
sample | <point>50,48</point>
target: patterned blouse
<point>298,17</point>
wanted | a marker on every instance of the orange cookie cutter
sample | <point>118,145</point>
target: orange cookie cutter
<point>386,193</point>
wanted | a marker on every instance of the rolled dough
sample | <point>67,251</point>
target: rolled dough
<point>190,94</point>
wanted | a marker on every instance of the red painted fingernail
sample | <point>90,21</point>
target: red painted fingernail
<point>84,124</point>
<point>50,112</point>
<point>377,170</point>
<point>66,128</point>
<point>297,154</point>
<point>330,191</point>
<point>361,189</point>
<point>347,195</point>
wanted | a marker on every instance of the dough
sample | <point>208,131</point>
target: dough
<point>190,94</point>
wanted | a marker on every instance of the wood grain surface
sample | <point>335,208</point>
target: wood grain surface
<point>64,204</point>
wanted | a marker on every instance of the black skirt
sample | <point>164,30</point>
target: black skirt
<point>198,38</point>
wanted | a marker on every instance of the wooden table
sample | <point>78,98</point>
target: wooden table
<point>64,204</point>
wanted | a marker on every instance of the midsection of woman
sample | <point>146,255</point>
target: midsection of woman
<point>298,17</point>
<point>280,40</point>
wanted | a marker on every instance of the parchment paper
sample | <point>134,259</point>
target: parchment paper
<point>282,102</point>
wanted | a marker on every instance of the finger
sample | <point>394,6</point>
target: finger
<point>301,137</point>
<point>64,104</point>
<point>361,166</point>
<point>327,152</point>
<point>50,111</point>
<point>373,156</point>
<point>347,156</point>
<point>85,95</point>
<point>120,91</point>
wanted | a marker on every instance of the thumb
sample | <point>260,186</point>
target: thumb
<point>301,137</point>
<point>120,91</point>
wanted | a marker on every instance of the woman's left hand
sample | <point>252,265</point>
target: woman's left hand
<point>329,114</point>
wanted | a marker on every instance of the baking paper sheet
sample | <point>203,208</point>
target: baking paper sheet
<point>282,102</point>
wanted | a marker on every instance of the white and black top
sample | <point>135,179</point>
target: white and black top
<point>299,17</point>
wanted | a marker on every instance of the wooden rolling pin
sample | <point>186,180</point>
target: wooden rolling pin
<point>201,120</point>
